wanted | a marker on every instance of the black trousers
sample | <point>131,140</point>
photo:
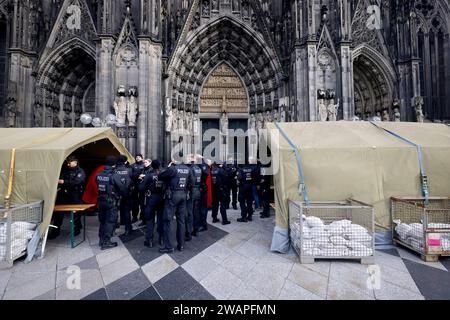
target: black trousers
<point>154,209</point>
<point>138,208</point>
<point>246,200</point>
<point>107,216</point>
<point>125,212</point>
<point>265,200</point>
<point>193,220</point>
<point>203,208</point>
<point>234,197</point>
<point>220,200</point>
<point>175,206</point>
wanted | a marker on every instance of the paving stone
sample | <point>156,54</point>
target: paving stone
<point>252,251</point>
<point>414,257</point>
<point>26,286</point>
<point>48,263</point>
<point>266,282</point>
<point>399,278</point>
<point>389,291</point>
<point>48,296</point>
<point>221,283</point>
<point>357,278</point>
<point>310,280</point>
<point>272,263</point>
<point>159,268</point>
<point>128,286</point>
<point>200,266</point>
<point>175,285</point>
<point>5,275</point>
<point>342,290</point>
<point>217,252</point>
<point>148,294</point>
<point>197,293</point>
<point>100,294</point>
<point>239,265</point>
<point>69,257</point>
<point>91,281</point>
<point>247,292</point>
<point>109,256</point>
<point>291,291</point>
<point>118,269</point>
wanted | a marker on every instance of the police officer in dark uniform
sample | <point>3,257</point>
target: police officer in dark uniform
<point>137,200</point>
<point>179,180</point>
<point>220,192</point>
<point>71,191</point>
<point>193,222</point>
<point>265,182</point>
<point>153,191</point>
<point>231,171</point>
<point>203,223</point>
<point>126,178</point>
<point>247,177</point>
<point>109,189</point>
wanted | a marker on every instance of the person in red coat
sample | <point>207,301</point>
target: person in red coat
<point>91,192</point>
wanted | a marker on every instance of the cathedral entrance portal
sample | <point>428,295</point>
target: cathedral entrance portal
<point>224,108</point>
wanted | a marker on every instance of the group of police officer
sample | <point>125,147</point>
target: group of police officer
<point>147,193</point>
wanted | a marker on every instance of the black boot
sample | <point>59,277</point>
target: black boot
<point>187,237</point>
<point>225,223</point>
<point>215,220</point>
<point>109,245</point>
<point>161,241</point>
<point>194,233</point>
<point>148,243</point>
<point>242,220</point>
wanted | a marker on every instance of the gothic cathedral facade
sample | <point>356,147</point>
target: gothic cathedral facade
<point>167,65</point>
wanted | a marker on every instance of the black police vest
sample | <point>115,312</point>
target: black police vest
<point>157,186</point>
<point>215,176</point>
<point>182,177</point>
<point>198,172</point>
<point>125,176</point>
<point>105,184</point>
<point>246,175</point>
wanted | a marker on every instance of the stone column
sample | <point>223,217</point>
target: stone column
<point>311,84</point>
<point>300,78</point>
<point>347,86</point>
<point>103,86</point>
<point>150,128</point>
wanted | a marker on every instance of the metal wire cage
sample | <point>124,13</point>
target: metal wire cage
<point>422,226</point>
<point>332,230</point>
<point>17,227</point>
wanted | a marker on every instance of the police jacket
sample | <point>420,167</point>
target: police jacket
<point>109,185</point>
<point>74,180</point>
<point>231,171</point>
<point>247,174</point>
<point>178,177</point>
<point>265,178</point>
<point>137,169</point>
<point>126,179</point>
<point>205,174</point>
<point>219,178</point>
<point>151,184</point>
<point>200,175</point>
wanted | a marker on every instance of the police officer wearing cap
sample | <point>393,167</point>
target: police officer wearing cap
<point>179,181</point>
<point>126,178</point>
<point>220,193</point>
<point>109,189</point>
<point>247,177</point>
<point>153,191</point>
<point>137,201</point>
<point>71,191</point>
<point>203,223</point>
<point>193,221</point>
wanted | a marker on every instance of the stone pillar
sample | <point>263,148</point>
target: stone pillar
<point>150,128</point>
<point>20,77</point>
<point>311,84</point>
<point>300,78</point>
<point>347,87</point>
<point>103,85</point>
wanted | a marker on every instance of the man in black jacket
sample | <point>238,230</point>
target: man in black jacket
<point>179,181</point>
<point>247,178</point>
<point>220,192</point>
<point>71,191</point>
<point>152,190</point>
<point>137,202</point>
<point>125,174</point>
<point>109,189</point>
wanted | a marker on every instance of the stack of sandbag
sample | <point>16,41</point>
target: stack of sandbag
<point>339,239</point>
<point>21,233</point>
<point>413,234</point>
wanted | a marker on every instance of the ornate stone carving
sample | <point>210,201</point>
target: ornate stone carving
<point>224,123</point>
<point>323,111</point>
<point>132,106</point>
<point>120,105</point>
<point>333,110</point>
<point>418,107</point>
<point>397,115</point>
<point>169,118</point>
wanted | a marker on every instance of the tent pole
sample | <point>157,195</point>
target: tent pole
<point>10,179</point>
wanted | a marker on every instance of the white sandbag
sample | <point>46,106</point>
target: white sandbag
<point>416,231</point>
<point>416,244</point>
<point>308,245</point>
<point>336,230</point>
<point>306,233</point>
<point>360,237</point>
<point>316,252</point>
<point>356,246</point>
<point>21,225</point>
<point>321,241</point>
<point>445,244</point>
<point>403,230</point>
<point>318,232</point>
<point>335,252</point>
<point>361,253</point>
<point>338,240</point>
<point>314,222</point>
<point>341,224</point>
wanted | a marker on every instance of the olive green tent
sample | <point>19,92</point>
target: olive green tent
<point>40,154</point>
<point>359,160</point>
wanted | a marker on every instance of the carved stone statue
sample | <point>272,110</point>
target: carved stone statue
<point>120,105</point>
<point>215,5</point>
<point>333,111</point>
<point>252,122</point>
<point>321,94</point>
<point>276,115</point>
<point>175,120</point>
<point>224,123</point>
<point>11,113</point>
<point>189,124</point>
<point>169,118</point>
<point>181,119</point>
<point>397,115</point>
<point>283,115</point>
<point>386,116</point>
<point>418,107</point>
<point>195,124</point>
<point>260,121</point>
<point>132,107</point>
<point>323,112</point>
